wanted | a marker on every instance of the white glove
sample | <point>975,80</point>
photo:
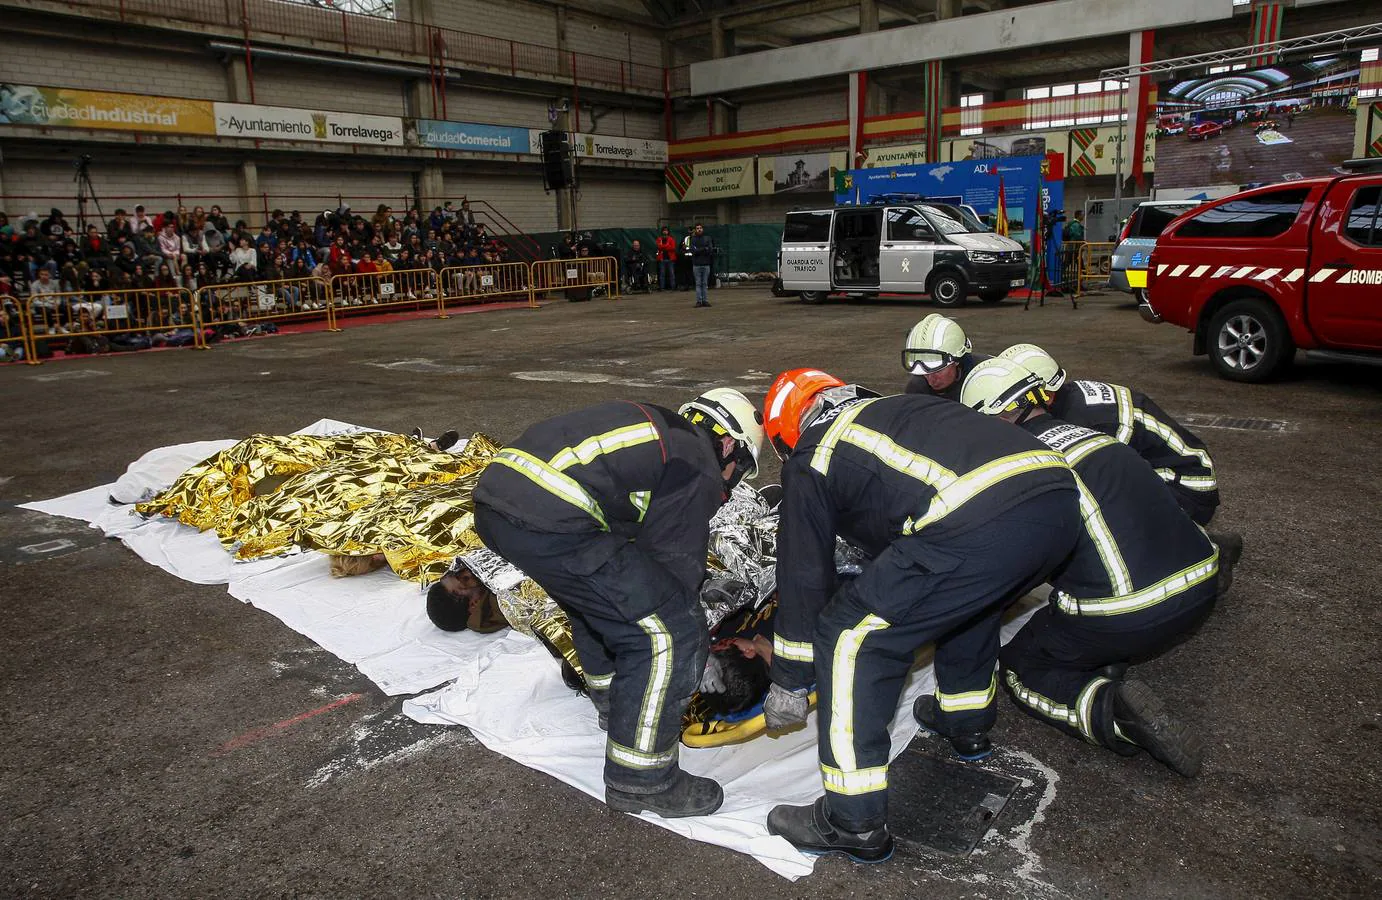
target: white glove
<point>712,679</point>
<point>784,708</point>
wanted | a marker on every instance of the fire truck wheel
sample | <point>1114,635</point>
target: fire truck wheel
<point>1248,341</point>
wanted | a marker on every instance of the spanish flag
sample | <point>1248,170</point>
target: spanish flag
<point>1001,222</point>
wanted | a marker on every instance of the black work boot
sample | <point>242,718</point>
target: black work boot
<point>1142,718</point>
<point>600,700</point>
<point>808,829</point>
<point>1230,544</point>
<point>970,747</point>
<point>688,795</point>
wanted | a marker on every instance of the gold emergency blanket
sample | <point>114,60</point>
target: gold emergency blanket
<point>270,495</point>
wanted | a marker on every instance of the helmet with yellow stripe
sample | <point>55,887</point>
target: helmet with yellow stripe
<point>725,412</point>
<point>934,343</point>
<point>999,386</point>
<point>1030,356</point>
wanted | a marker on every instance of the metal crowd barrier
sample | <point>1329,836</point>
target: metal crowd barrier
<point>251,303</point>
<point>584,277</point>
<point>488,281</point>
<point>1095,262</point>
<point>362,293</point>
<point>14,331</point>
<point>112,320</point>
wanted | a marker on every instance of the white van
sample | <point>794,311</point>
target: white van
<point>896,248</point>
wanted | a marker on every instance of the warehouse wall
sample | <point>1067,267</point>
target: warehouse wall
<point>519,196</point>
<point>824,107</point>
<point>280,83</point>
<point>609,203</point>
<point>30,59</point>
<point>511,20</point>
<point>34,185</point>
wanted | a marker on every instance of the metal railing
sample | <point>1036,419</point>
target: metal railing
<point>248,303</point>
<point>112,320</point>
<point>1095,264</point>
<point>483,283</point>
<point>246,19</point>
<point>364,293</point>
<point>582,278</point>
<point>15,344</point>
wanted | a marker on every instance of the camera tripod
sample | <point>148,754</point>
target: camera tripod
<point>86,191</point>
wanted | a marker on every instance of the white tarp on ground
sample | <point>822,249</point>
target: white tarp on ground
<point>507,689</point>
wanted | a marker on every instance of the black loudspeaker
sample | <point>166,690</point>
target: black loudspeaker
<point>556,160</point>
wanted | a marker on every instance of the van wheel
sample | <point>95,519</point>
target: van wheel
<point>948,289</point>
<point>994,295</point>
<point>812,296</point>
<point>1249,341</point>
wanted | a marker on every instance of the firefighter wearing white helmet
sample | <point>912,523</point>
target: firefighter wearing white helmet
<point>1141,577</point>
<point>938,356</point>
<point>608,508</point>
<point>1176,453</point>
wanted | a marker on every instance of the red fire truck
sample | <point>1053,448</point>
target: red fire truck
<point>1257,275</point>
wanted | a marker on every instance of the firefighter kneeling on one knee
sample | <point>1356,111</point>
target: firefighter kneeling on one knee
<point>961,514</point>
<point>1142,577</point>
<point>608,509</point>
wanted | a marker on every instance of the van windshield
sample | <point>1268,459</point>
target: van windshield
<point>943,223</point>
<point>966,218</point>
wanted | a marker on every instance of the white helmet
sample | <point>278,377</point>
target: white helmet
<point>1030,356</point>
<point>725,411</point>
<point>999,385</point>
<point>934,343</point>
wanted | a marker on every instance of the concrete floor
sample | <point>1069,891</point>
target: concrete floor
<point>165,740</point>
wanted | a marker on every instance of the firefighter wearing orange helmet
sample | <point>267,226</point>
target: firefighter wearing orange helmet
<point>960,518</point>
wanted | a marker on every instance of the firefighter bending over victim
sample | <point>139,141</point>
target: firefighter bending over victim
<point>1141,578</point>
<point>608,509</point>
<point>938,356</point>
<point>961,515</point>
<point>1177,455</point>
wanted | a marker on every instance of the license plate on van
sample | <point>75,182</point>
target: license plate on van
<point>1016,282</point>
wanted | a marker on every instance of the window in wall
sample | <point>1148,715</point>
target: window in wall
<point>1062,123</point>
<point>1263,216</point>
<point>1063,90</point>
<point>1115,85</point>
<point>968,132</point>
<point>1040,93</point>
<point>1370,55</point>
<point>1091,87</point>
<point>1031,126</point>
<point>1362,227</point>
<point>971,100</point>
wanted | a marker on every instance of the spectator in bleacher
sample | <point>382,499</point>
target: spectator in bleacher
<point>383,217</point>
<point>55,226</point>
<point>366,264</point>
<point>169,241</point>
<point>465,216</point>
<point>244,262</point>
<point>119,227</point>
<point>194,245</point>
<point>410,227</point>
<point>666,259</point>
<point>301,253</point>
<point>141,220</point>
<point>217,219</point>
<point>11,334</point>
<point>392,247</point>
<point>205,275</point>
<point>436,220</point>
<point>338,249</point>
<point>217,255</point>
<point>188,278</point>
<point>7,231</point>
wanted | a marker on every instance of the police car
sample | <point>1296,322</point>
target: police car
<point>897,246</point>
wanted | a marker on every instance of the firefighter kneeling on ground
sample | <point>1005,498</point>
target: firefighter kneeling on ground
<point>961,515</point>
<point>608,509</point>
<point>1142,577</point>
<point>1177,455</point>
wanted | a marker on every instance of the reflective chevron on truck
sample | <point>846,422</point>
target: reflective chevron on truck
<point>1262,273</point>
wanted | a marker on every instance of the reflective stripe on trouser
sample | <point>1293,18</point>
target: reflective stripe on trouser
<point>920,590</point>
<point>1052,666</point>
<point>654,660</point>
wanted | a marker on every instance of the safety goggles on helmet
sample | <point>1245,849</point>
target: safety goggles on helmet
<point>1032,357</point>
<point>926,362</point>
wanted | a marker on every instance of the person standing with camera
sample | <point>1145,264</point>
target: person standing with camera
<point>702,252</point>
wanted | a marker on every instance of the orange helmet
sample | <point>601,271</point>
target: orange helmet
<point>789,397</point>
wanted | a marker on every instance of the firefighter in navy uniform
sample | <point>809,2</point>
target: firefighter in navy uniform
<point>1142,577</point>
<point>608,509</point>
<point>1177,455</point>
<point>960,519</point>
<point>938,356</point>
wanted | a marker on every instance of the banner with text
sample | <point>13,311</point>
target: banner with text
<point>1094,151</point>
<point>896,155</point>
<point>27,104</point>
<point>605,146</point>
<point>473,137</point>
<point>710,180</point>
<point>243,120</point>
